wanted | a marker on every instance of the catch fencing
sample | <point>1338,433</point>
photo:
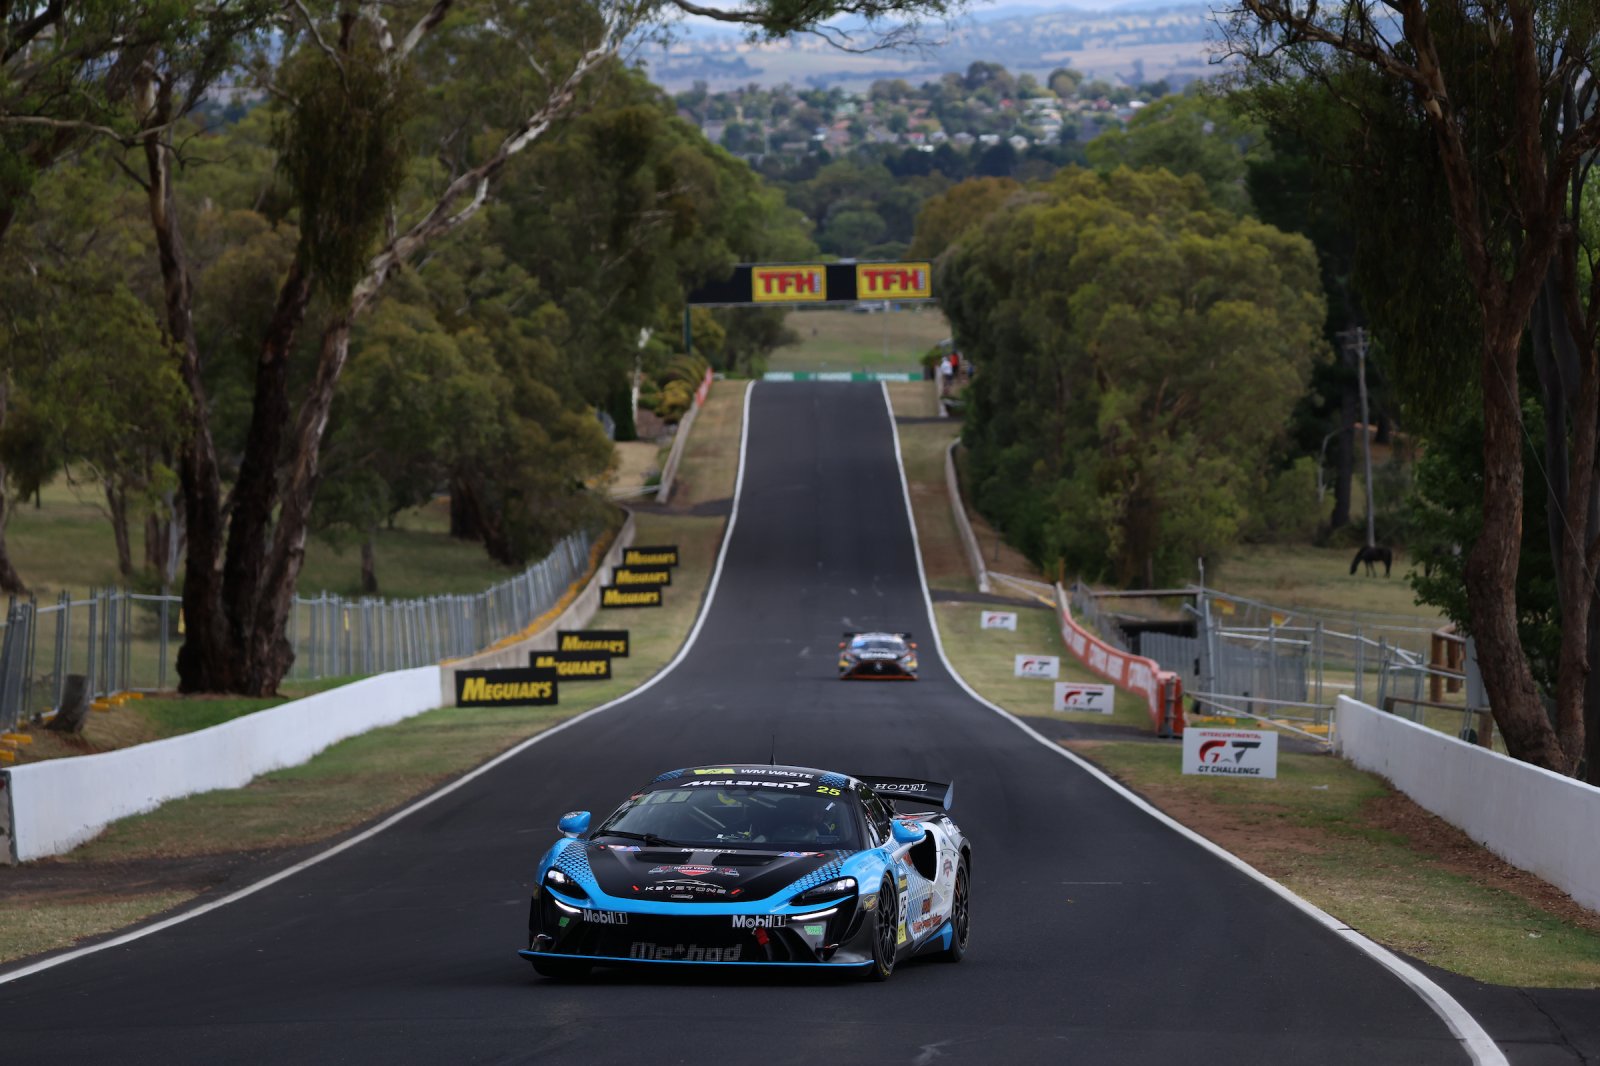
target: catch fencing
<point>124,641</point>
<point>1250,658</point>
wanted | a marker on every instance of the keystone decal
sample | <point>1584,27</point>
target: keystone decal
<point>611,596</point>
<point>894,281</point>
<point>613,642</point>
<point>573,665</point>
<point>517,687</point>
<point>788,284</point>
<point>657,556</point>
<point>641,575</point>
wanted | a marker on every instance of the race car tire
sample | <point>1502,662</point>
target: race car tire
<point>886,934</point>
<point>960,917</point>
<point>561,969</point>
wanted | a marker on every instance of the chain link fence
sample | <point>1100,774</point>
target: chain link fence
<point>1242,656</point>
<point>125,641</point>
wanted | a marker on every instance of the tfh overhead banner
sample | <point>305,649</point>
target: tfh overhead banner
<point>806,283</point>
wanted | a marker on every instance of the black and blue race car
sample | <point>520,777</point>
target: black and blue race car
<point>776,866</point>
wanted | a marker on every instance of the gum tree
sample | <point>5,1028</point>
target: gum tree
<point>1503,96</point>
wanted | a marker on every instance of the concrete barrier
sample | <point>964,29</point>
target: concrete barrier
<point>47,808</point>
<point>1534,819</point>
<point>575,616</point>
<point>669,473</point>
<point>969,540</point>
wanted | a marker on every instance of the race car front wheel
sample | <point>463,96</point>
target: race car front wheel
<point>561,969</point>
<point>886,934</point>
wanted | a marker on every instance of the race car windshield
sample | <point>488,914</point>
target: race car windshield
<point>731,817</point>
<point>878,644</point>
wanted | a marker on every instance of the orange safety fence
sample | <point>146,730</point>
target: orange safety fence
<point>1162,689</point>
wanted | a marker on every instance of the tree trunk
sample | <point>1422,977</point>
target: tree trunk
<point>1491,565</point>
<point>1345,460</point>
<point>205,661</point>
<point>369,565</point>
<point>155,540</point>
<point>117,504</point>
<point>267,654</point>
<point>255,493</point>
<point>463,522</point>
<point>10,582</point>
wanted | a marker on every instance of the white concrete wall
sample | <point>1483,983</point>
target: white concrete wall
<point>58,804</point>
<point>958,508</point>
<point>1537,820</point>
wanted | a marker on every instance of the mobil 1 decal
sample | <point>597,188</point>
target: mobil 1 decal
<point>647,576</point>
<point>517,687</point>
<point>614,642</point>
<point>655,555</point>
<point>573,665</point>
<point>612,596</point>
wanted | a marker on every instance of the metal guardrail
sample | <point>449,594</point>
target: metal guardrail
<point>127,641</point>
<point>1282,665</point>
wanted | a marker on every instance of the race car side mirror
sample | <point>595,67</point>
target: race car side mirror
<point>907,832</point>
<point>574,823</point>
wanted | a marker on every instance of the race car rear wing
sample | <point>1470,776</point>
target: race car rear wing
<point>912,790</point>
<point>851,634</point>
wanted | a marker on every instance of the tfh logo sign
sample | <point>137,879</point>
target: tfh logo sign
<point>893,281</point>
<point>1230,752</point>
<point>787,284</point>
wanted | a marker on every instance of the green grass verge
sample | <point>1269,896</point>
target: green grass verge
<point>1314,830</point>
<point>49,924</point>
<point>986,657</point>
<point>834,339</point>
<point>361,777</point>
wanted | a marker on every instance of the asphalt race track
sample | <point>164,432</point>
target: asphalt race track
<point>1099,934</point>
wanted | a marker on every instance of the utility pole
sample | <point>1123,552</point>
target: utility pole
<point>1356,339</point>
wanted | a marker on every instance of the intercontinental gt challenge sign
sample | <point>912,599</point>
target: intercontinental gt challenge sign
<point>1230,752</point>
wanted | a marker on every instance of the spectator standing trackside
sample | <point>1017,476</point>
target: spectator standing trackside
<point>955,364</point>
<point>946,377</point>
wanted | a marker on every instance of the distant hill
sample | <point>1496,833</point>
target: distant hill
<point>1129,41</point>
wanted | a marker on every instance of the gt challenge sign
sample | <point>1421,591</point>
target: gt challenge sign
<point>1079,697</point>
<point>1045,666</point>
<point>1000,620</point>
<point>1230,752</point>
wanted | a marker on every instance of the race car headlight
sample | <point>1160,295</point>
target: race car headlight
<point>825,892</point>
<point>559,881</point>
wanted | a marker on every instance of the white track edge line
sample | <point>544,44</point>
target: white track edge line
<point>1474,1039</point>
<point>405,812</point>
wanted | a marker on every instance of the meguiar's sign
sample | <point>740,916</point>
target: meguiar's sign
<point>611,596</point>
<point>517,687</point>
<point>806,283</point>
<point>641,575</point>
<point>573,665</point>
<point>613,642</point>
<point>653,556</point>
